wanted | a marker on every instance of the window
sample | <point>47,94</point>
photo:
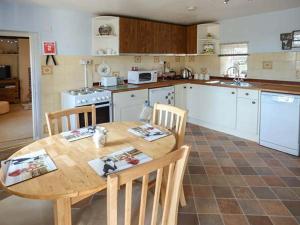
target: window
<point>234,56</point>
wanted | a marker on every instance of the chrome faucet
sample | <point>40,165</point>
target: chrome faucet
<point>237,79</point>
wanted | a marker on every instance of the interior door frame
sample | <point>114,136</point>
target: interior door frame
<point>35,65</point>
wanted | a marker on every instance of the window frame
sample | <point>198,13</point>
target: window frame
<point>233,55</point>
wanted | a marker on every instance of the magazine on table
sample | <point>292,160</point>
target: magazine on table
<point>117,161</point>
<point>148,132</point>
<point>25,167</point>
<point>78,134</point>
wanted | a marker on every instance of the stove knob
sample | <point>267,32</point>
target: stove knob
<point>94,99</point>
<point>83,101</point>
<point>107,97</point>
<point>98,99</point>
<point>103,98</point>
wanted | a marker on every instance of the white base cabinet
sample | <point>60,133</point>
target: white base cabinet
<point>212,105</point>
<point>127,106</point>
<point>248,113</point>
<point>181,95</point>
<point>230,110</point>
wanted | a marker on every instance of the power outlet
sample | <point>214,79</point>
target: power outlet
<point>298,74</point>
<point>86,61</point>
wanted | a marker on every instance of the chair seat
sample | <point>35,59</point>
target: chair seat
<point>4,107</point>
<point>21,211</point>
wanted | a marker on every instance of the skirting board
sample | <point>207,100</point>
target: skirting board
<point>233,132</point>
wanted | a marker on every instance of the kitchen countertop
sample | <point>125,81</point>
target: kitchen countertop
<point>268,87</point>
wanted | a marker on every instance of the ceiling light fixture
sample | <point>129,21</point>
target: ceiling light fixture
<point>191,8</point>
<point>226,2</point>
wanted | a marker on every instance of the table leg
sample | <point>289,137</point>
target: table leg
<point>62,211</point>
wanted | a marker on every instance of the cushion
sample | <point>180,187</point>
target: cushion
<point>4,107</point>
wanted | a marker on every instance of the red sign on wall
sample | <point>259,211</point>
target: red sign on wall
<point>49,48</point>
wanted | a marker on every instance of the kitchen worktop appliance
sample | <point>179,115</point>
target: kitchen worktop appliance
<point>85,97</point>
<point>142,77</point>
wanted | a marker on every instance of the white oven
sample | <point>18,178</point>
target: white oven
<point>84,97</point>
<point>142,77</point>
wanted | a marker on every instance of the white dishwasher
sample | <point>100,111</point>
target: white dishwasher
<point>279,125</point>
<point>164,95</point>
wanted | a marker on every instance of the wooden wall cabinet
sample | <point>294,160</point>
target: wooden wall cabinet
<point>139,36</point>
<point>144,36</point>
<point>191,39</point>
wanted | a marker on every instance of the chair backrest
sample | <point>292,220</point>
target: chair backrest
<point>54,119</point>
<point>169,175</point>
<point>172,118</point>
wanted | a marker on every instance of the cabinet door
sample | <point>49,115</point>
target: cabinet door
<point>192,94</point>
<point>128,112</point>
<point>128,35</point>
<point>247,116</point>
<point>191,39</point>
<point>178,39</point>
<point>214,105</point>
<point>162,38</point>
<point>225,107</point>
<point>181,96</point>
<point>127,106</point>
<point>145,36</point>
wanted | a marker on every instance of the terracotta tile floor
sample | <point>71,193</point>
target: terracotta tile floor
<point>232,181</point>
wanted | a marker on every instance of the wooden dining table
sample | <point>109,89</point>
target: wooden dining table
<point>75,180</point>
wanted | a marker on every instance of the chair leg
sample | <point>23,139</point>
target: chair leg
<point>182,198</point>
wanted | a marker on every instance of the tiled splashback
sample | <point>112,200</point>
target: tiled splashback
<point>269,66</point>
<point>69,73</point>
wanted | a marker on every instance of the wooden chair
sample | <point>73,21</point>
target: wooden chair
<point>54,119</point>
<point>174,119</point>
<point>175,163</point>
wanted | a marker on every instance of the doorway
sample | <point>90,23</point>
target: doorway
<point>19,91</point>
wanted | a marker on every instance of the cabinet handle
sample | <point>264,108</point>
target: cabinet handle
<point>247,94</point>
<point>132,95</point>
<point>253,102</point>
<point>191,87</point>
<point>184,87</point>
<point>233,92</point>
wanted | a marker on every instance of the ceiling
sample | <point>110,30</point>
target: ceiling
<point>172,10</point>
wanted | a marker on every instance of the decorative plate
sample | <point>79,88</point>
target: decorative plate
<point>103,69</point>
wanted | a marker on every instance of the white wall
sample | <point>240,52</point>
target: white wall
<point>261,31</point>
<point>70,29</point>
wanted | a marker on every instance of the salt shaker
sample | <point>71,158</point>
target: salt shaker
<point>100,137</point>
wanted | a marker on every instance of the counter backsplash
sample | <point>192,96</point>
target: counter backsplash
<point>69,73</point>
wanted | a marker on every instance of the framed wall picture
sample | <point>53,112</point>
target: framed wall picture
<point>287,40</point>
<point>296,39</point>
<point>49,48</point>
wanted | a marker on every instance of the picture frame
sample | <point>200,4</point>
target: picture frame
<point>287,41</point>
<point>296,39</point>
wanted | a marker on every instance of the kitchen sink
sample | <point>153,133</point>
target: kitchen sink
<point>237,84</point>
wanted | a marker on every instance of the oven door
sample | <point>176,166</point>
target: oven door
<point>103,114</point>
<point>145,77</point>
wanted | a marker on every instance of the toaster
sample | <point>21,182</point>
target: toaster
<point>108,81</point>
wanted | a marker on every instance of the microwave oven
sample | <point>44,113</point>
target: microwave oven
<point>142,77</point>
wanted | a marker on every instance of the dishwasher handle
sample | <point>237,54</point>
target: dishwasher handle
<point>283,99</point>
<point>280,98</point>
